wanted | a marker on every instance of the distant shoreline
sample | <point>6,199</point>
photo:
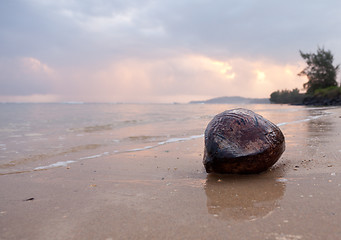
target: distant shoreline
<point>233,100</point>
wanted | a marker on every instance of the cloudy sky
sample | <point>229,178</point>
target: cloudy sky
<point>159,50</point>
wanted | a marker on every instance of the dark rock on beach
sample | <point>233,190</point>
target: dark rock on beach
<point>241,141</point>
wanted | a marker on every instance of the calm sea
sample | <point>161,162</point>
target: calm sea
<point>42,136</point>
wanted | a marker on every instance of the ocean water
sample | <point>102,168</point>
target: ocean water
<point>37,137</point>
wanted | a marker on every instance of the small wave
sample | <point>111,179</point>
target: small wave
<point>16,136</point>
<point>33,135</point>
<point>24,160</point>
<point>143,138</point>
<point>90,129</point>
<point>65,163</point>
<point>299,121</point>
<point>171,140</point>
<point>54,165</point>
<point>95,156</point>
<point>105,127</point>
<point>138,149</point>
<point>80,148</point>
<point>43,156</point>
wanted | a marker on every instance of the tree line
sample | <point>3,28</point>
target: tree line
<point>321,88</point>
<point>287,97</point>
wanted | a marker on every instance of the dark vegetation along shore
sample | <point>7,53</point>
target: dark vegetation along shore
<point>321,89</point>
<point>330,96</point>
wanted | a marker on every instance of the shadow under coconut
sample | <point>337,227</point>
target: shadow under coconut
<point>243,197</point>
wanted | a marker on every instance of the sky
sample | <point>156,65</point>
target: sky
<point>159,51</point>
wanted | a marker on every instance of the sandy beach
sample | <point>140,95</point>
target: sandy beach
<point>164,193</point>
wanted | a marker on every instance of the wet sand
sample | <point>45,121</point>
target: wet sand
<point>164,193</point>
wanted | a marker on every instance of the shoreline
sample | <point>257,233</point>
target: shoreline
<point>58,160</point>
<point>165,193</point>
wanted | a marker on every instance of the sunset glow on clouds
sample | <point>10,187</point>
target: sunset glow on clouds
<point>148,51</point>
<point>183,78</point>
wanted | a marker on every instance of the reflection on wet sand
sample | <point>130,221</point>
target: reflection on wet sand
<point>243,197</point>
<point>318,127</point>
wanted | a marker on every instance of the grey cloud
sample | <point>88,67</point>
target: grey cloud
<point>255,29</point>
<point>28,30</point>
<point>222,29</point>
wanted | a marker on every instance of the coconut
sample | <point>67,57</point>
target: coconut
<point>241,141</point>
